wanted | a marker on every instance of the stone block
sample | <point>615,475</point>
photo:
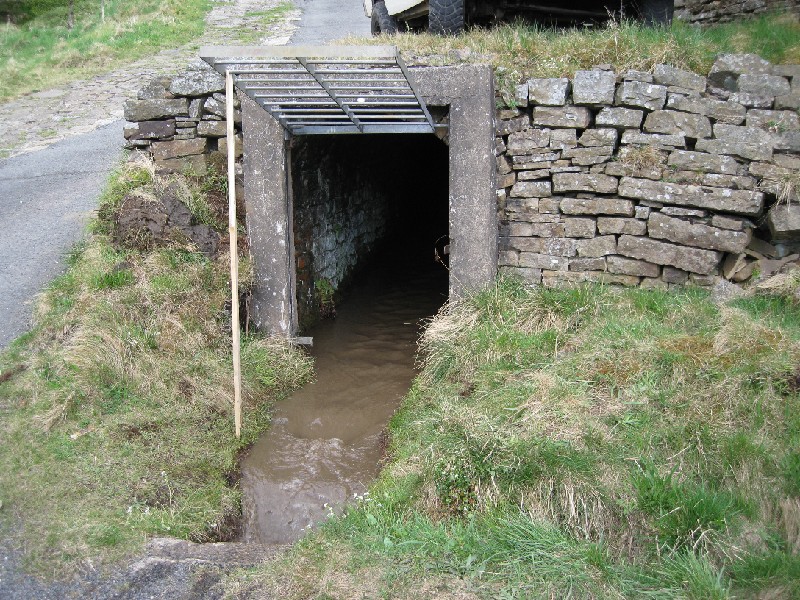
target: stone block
<point>588,264</point>
<point>531,276</point>
<point>598,246</point>
<point>621,225</point>
<point>701,161</point>
<point>545,230</point>
<point>563,139</point>
<point>599,137</point>
<point>620,118</point>
<point>196,164</point>
<point>548,92</point>
<point>747,142</point>
<point>653,284</point>
<point>639,94</point>
<point>788,141</point>
<point>783,221</point>
<point>577,117</point>
<point>722,111</point>
<point>724,222</point>
<point>763,85</point>
<point>150,130</point>
<point>531,189</point>
<point>734,182</point>
<point>727,69</point>
<point>503,164</point>
<point>674,122</point>
<point>178,148</point>
<point>525,142</point>
<point>200,80</point>
<point>589,156</point>
<point>774,121</point>
<point>522,209</point>
<point>543,261</point>
<point>238,147</point>
<point>695,260</point>
<point>731,201</point>
<point>662,141</point>
<point>636,75</point>
<point>673,275</point>
<point>512,125</point>
<point>508,258</point>
<point>505,180</point>
<point>788,102</point>
<point>155,109</point>
<point>752,100</point>
<point>556,246</point>
<point>584,182</point>
<point>550,205</point>
<point>212,128</point>
<point>521,95</point>
<point>533,175</point>
<point>677,211</point>
<point>630,266</point>
<point>594,87</point>
<point>155,89</point>
<point>667,75</point>
<point>597,206</point>
<point>562,278</point>
<point>661,226</point>
<point>579,227</point>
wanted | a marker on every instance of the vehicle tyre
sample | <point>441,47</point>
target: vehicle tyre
<point>382,21</point>
<point>656,12</point>
<point>446,17</point>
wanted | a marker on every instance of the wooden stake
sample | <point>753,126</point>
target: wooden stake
<point>237,367</point>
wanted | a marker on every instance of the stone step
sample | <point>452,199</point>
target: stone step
<point>220,553</point>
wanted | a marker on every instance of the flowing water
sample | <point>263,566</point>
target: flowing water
<point>325,443</point>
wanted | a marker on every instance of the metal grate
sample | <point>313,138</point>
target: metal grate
<point>327,89</point>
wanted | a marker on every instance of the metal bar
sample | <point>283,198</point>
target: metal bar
<point>403,68</point>
<point>324,85</point>
<point>220,53</point>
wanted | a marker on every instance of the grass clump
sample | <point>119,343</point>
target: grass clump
<point>116,409</point>
<point>589,442</point>
<point>39,50</point>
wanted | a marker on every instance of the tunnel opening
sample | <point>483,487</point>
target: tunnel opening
<point>363,204</point>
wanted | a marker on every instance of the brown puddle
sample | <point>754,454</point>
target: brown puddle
<point>324,445</point>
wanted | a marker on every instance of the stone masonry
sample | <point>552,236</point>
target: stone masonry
<point>651,179</point>
<point>706,12</point>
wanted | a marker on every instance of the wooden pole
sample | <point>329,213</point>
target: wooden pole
<point>237,367</point>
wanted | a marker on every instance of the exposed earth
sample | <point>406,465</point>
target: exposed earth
<point>61,144</point>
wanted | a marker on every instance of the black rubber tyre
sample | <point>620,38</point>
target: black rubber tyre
<point>382,21</point>
<point>446,17</point>
<point>657,13</point>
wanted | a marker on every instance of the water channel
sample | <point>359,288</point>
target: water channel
<point>325,443</point>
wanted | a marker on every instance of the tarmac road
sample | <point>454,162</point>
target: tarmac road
<point>47,196</point>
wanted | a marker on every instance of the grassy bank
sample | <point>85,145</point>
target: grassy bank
<point>116,409</point>
<point>590,442</point>
<point>38,50</point>
<point>531,51</point>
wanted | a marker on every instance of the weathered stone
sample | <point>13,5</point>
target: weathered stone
<point>214,107</point>
<point>663,141</point>
<point>150,130</point>
<point>570,116</point>
<point>644,95</point>
<point>156,89</point>
<point>505,180</point>
<point>195,108</point>
<point>732,264</point>
<point>589,156</point>
<point>561,278</point>
<point>499,146</point>
<point>635,75</point>
<point>238,147</point>
<point>752,100</point>
<point>550,205</point>
<point>503,164</point>
<point>578,227</point>
<point>763,85</point>
<point>531,189</point>
<point>617,225</point>
<point>201,80</point>
<point>597,206</point>
<point>677,211</point>
<point>660,226</point>
<point>599,137</point>
<point>621,168</point>
<point>543,261</point>
<point>728,67</point>
<point>548,92</point>
<point>504,114</point>
<point>522,209</point>
<point>648,283</point>
<point>155,109</point>
<point>521,95</point>
<point>734,182</point>
<point>581,182</point>
<point>787,102</point>
<point>695,260</point>
<point>788,141</point>
<point>552,246</point>
<point>724,222</point>
<point>598,246</point>
<point>630,266</point>
<point>721,111</point>
<point>642,212</point>
<point>667,75</point>
<point>531,276</point>
<point>178,148</point>
<point>783,221</point>
<point>563,139</point>
<point>525,142</point>
<point>546,230</point>
<point>732,201</point>
<point>703,280</point>
<point>535,160</point>
<point>593,87</point>
<point>508,258</point>
<point>674,122</point>
<point>621,118</point>
<point>512,125</point>
<point>588,264</point>
<point>673,275</point>
<point>196,163</point>
<point>212,128</point>
<point>533,175</point>
<point>748,142</point>
<point>700,161</point>
<point>774,121</point>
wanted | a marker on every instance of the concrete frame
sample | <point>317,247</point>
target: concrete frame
<point>468,91</point>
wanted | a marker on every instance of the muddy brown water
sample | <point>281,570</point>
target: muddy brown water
<point>325,442</point>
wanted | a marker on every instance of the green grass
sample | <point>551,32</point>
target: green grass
<point>116,417</point>
<point>589,442</point>
<point>40,52</point>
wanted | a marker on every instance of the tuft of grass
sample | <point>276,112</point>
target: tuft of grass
<point>116,417</point>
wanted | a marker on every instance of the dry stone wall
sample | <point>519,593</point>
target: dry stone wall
<point>706,12</point>
<point>651,179</point>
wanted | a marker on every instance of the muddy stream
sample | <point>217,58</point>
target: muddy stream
<point>325,443</point>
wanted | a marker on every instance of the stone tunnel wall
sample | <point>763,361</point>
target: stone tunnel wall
<point>651,179</point>
<point>706,12</point>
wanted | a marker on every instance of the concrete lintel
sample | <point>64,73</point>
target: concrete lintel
<point>469,92</point>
